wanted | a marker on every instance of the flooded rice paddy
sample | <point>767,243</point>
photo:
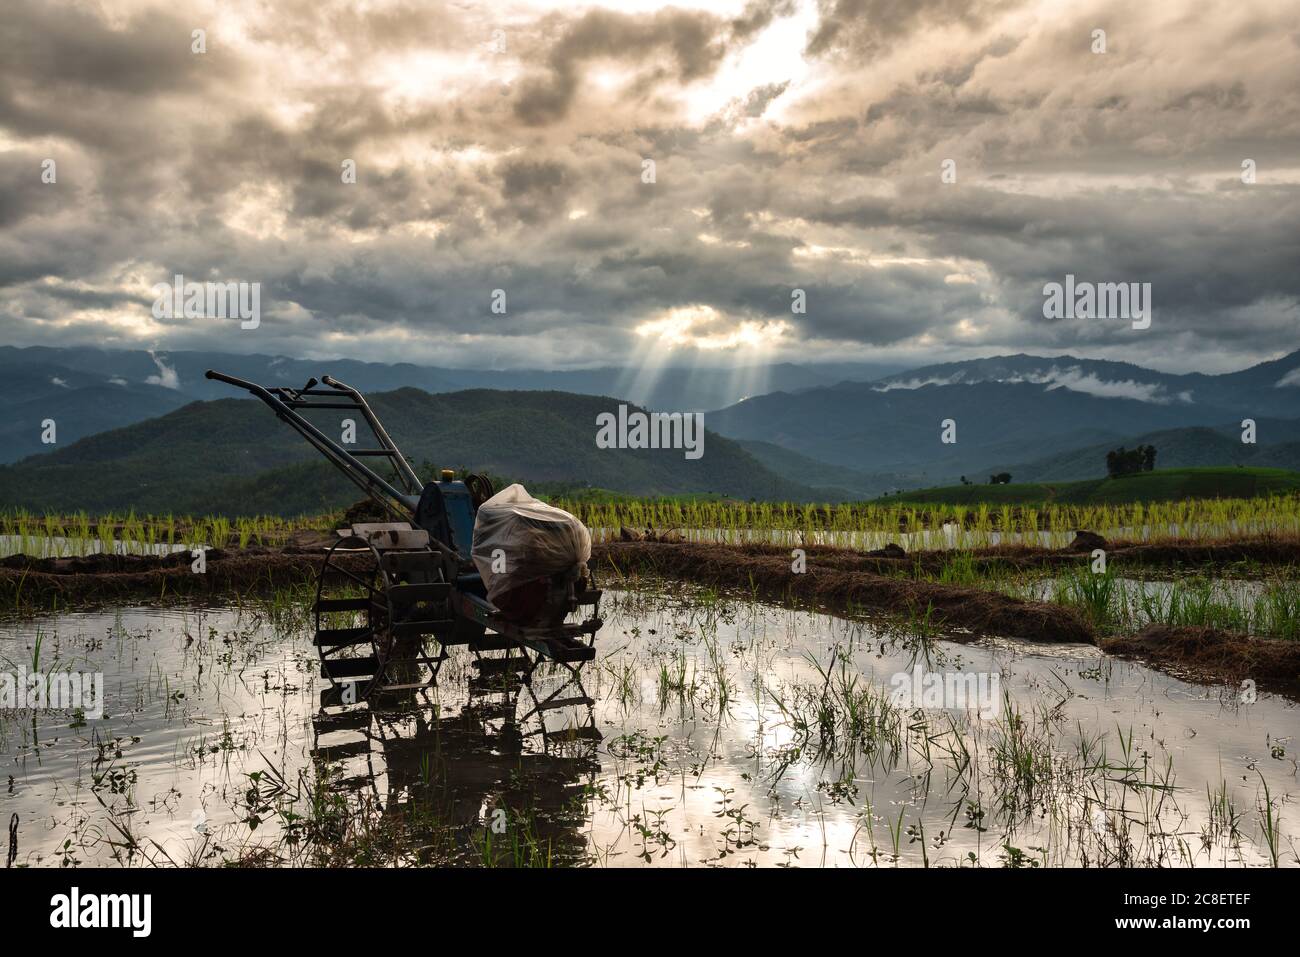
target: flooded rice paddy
<point>951,536</point>
<point>729,734</point>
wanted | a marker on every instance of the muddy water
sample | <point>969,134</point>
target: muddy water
<point>727,739</point>
<point>1237,591</point>
<point>192,699</point>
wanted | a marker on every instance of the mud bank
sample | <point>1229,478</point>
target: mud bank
<point>893,560</point>
<point>63,582</point>
<point>844,581</point>
<point>1207,654</point>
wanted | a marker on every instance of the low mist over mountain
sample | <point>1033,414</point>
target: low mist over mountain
<point>1005,409</point>
<point>1270,388</point>
<point>36,389</point>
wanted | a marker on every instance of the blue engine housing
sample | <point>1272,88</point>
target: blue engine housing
<point>446,511</point>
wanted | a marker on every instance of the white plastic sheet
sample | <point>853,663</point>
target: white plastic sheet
<point>517,539</point>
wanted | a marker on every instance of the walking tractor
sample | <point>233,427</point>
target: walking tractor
<point>458,565</point>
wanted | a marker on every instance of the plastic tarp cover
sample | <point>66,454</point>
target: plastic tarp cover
<point>518,539</point>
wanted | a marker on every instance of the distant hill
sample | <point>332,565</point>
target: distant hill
<point>234,456</point>
<point>833,480</point>
<point>1159,485</point>
<point>78,403</point>
<point>1277,446</point>
<point>857,427</point>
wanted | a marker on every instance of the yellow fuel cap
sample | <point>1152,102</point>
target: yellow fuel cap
<point>448,475</point>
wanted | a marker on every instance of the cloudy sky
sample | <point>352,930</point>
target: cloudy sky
<point>796,145</point>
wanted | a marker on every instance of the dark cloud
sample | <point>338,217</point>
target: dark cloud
<point>59,46</point>
<point>693,42</point>
<point>21,195</point>
<point>758,16</point>
<point>328,26</point>
<point>821,175</point>
<point>871,26</point>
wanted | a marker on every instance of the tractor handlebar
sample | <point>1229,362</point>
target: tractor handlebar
<point>286,402</point>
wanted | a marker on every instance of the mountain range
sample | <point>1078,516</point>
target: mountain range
<point>1011,409</point>
<point>86,390</point>
<point>146,443</point>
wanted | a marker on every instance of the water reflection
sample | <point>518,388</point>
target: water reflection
<point>496,772</point>
<point>732,733</point>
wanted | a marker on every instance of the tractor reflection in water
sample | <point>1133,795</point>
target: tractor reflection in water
<point>502,781</point>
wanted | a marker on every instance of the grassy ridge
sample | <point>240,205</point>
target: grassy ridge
<point>232,457</point>
<point>1162,485</point>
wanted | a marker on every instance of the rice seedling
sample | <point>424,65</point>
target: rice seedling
<point>1223,824</point>
<point>673,680</point>
<point>868,524</point>
<point>1118,605</point>
<point>106,533</point>
<point>1093,593</point>
<point>1269,821</point>
<point>845,718</point>
<point>625,676</point>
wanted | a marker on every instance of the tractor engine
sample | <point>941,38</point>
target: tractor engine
<point>530,555</point>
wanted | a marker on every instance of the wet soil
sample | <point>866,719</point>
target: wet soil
<point>894,560</point>
<point>1210,654</point>
<point>844,581</point>
<point>95,578</point>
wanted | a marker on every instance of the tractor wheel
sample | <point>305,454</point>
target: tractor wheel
<point>376,608</point>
